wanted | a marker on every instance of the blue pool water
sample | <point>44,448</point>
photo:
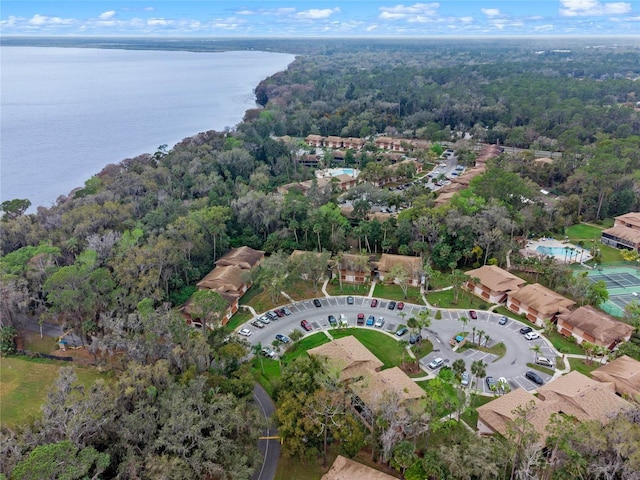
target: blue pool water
<point>342,171</point>
<point>559,251</point>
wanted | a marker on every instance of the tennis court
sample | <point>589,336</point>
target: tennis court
<point>623,285</point>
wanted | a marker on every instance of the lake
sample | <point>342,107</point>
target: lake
<point>68,112</point>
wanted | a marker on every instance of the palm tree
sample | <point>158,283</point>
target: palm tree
<point>458,366</point>
<point>464,320</point>
<point>317,228</point>
<point>479,370</point>
<point>480,334</point>
<point>486,339</point>
<point>536,350</point>
<point>473,329</point>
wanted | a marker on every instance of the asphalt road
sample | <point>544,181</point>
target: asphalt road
<point>52,330</point>
<point>270,448</point>
<point>512,366</point>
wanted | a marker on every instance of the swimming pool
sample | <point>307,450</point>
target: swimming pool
<point>342,171</point>
<point>570,253</point>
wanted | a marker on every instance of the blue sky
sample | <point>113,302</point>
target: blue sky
<point>316,18</point>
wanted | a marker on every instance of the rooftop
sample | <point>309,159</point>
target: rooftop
<point>496,279</point>
<point>603,327</point>
<point>542,299</point>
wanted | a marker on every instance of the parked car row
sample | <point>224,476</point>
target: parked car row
<point>264,320</point>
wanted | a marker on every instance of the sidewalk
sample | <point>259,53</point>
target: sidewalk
<point>324,288</point>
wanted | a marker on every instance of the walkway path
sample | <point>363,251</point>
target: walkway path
<point>286,295</point>
<point>373,286</point>
<point>251,309</point>
<point>324,288</point>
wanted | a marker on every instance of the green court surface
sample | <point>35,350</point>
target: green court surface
<point>623,285</point>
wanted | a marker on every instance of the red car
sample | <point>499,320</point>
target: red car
<point>400,306</point>
<point>360,320</point>
<point>473,314</point>
<point>374,302</point>
<point>306,325</point>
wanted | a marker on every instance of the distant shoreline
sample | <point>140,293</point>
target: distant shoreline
<point>219,97</point>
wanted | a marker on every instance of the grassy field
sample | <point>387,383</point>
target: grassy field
<point>394,292</point>
<point>583,232</point>
<point>583,367</point>
<point>34,343</point>
<point>564,345</point>
<point>348,289</point>
<point>388,350</point>
<point>303,289</point>
<point>445,299</point>
<point>238,319</point>
<point>24,383</point>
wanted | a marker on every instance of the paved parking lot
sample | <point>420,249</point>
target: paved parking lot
<point>512,366</point>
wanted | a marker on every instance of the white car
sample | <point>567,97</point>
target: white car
<point>532,335</point>
<point>379,322</point>
<point>435,363</point>
<point>245,332</point>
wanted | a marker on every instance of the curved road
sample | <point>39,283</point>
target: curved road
<point>270,448</point>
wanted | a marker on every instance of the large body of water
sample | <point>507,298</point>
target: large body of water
<point>68,112</point>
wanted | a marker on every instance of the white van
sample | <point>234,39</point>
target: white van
<point>544,361</point>
<point>343,320</point>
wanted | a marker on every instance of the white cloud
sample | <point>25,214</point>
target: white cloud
<point>158,22</point>
<point>41,20</point>
<point>371,28</point>
<point>466,19</point>
<point>415,12</point>
<point>543,28</point>
<point>10,21</point>
<point>107,15</point>
<point>490,12</point>
<point>315,13</point>
<point>585,8</point>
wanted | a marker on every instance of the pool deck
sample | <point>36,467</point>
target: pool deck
<point>530,250</point>
<point>333,172</point>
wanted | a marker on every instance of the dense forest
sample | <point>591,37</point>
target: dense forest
<point>113,259</point>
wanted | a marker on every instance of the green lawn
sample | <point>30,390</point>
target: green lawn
<point>348,289</point>
<point>33,342</point>
<point>583,367</point>
<point>563,344</point>
<point>303,345</point>
<point>445,299</point>
<point>24,383</point>
<point>238,319</point>
<point>387,349</point>
<point>583,232</point>
<point>540,368</point>
<point>394,292</point>
<point>420,350</point>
